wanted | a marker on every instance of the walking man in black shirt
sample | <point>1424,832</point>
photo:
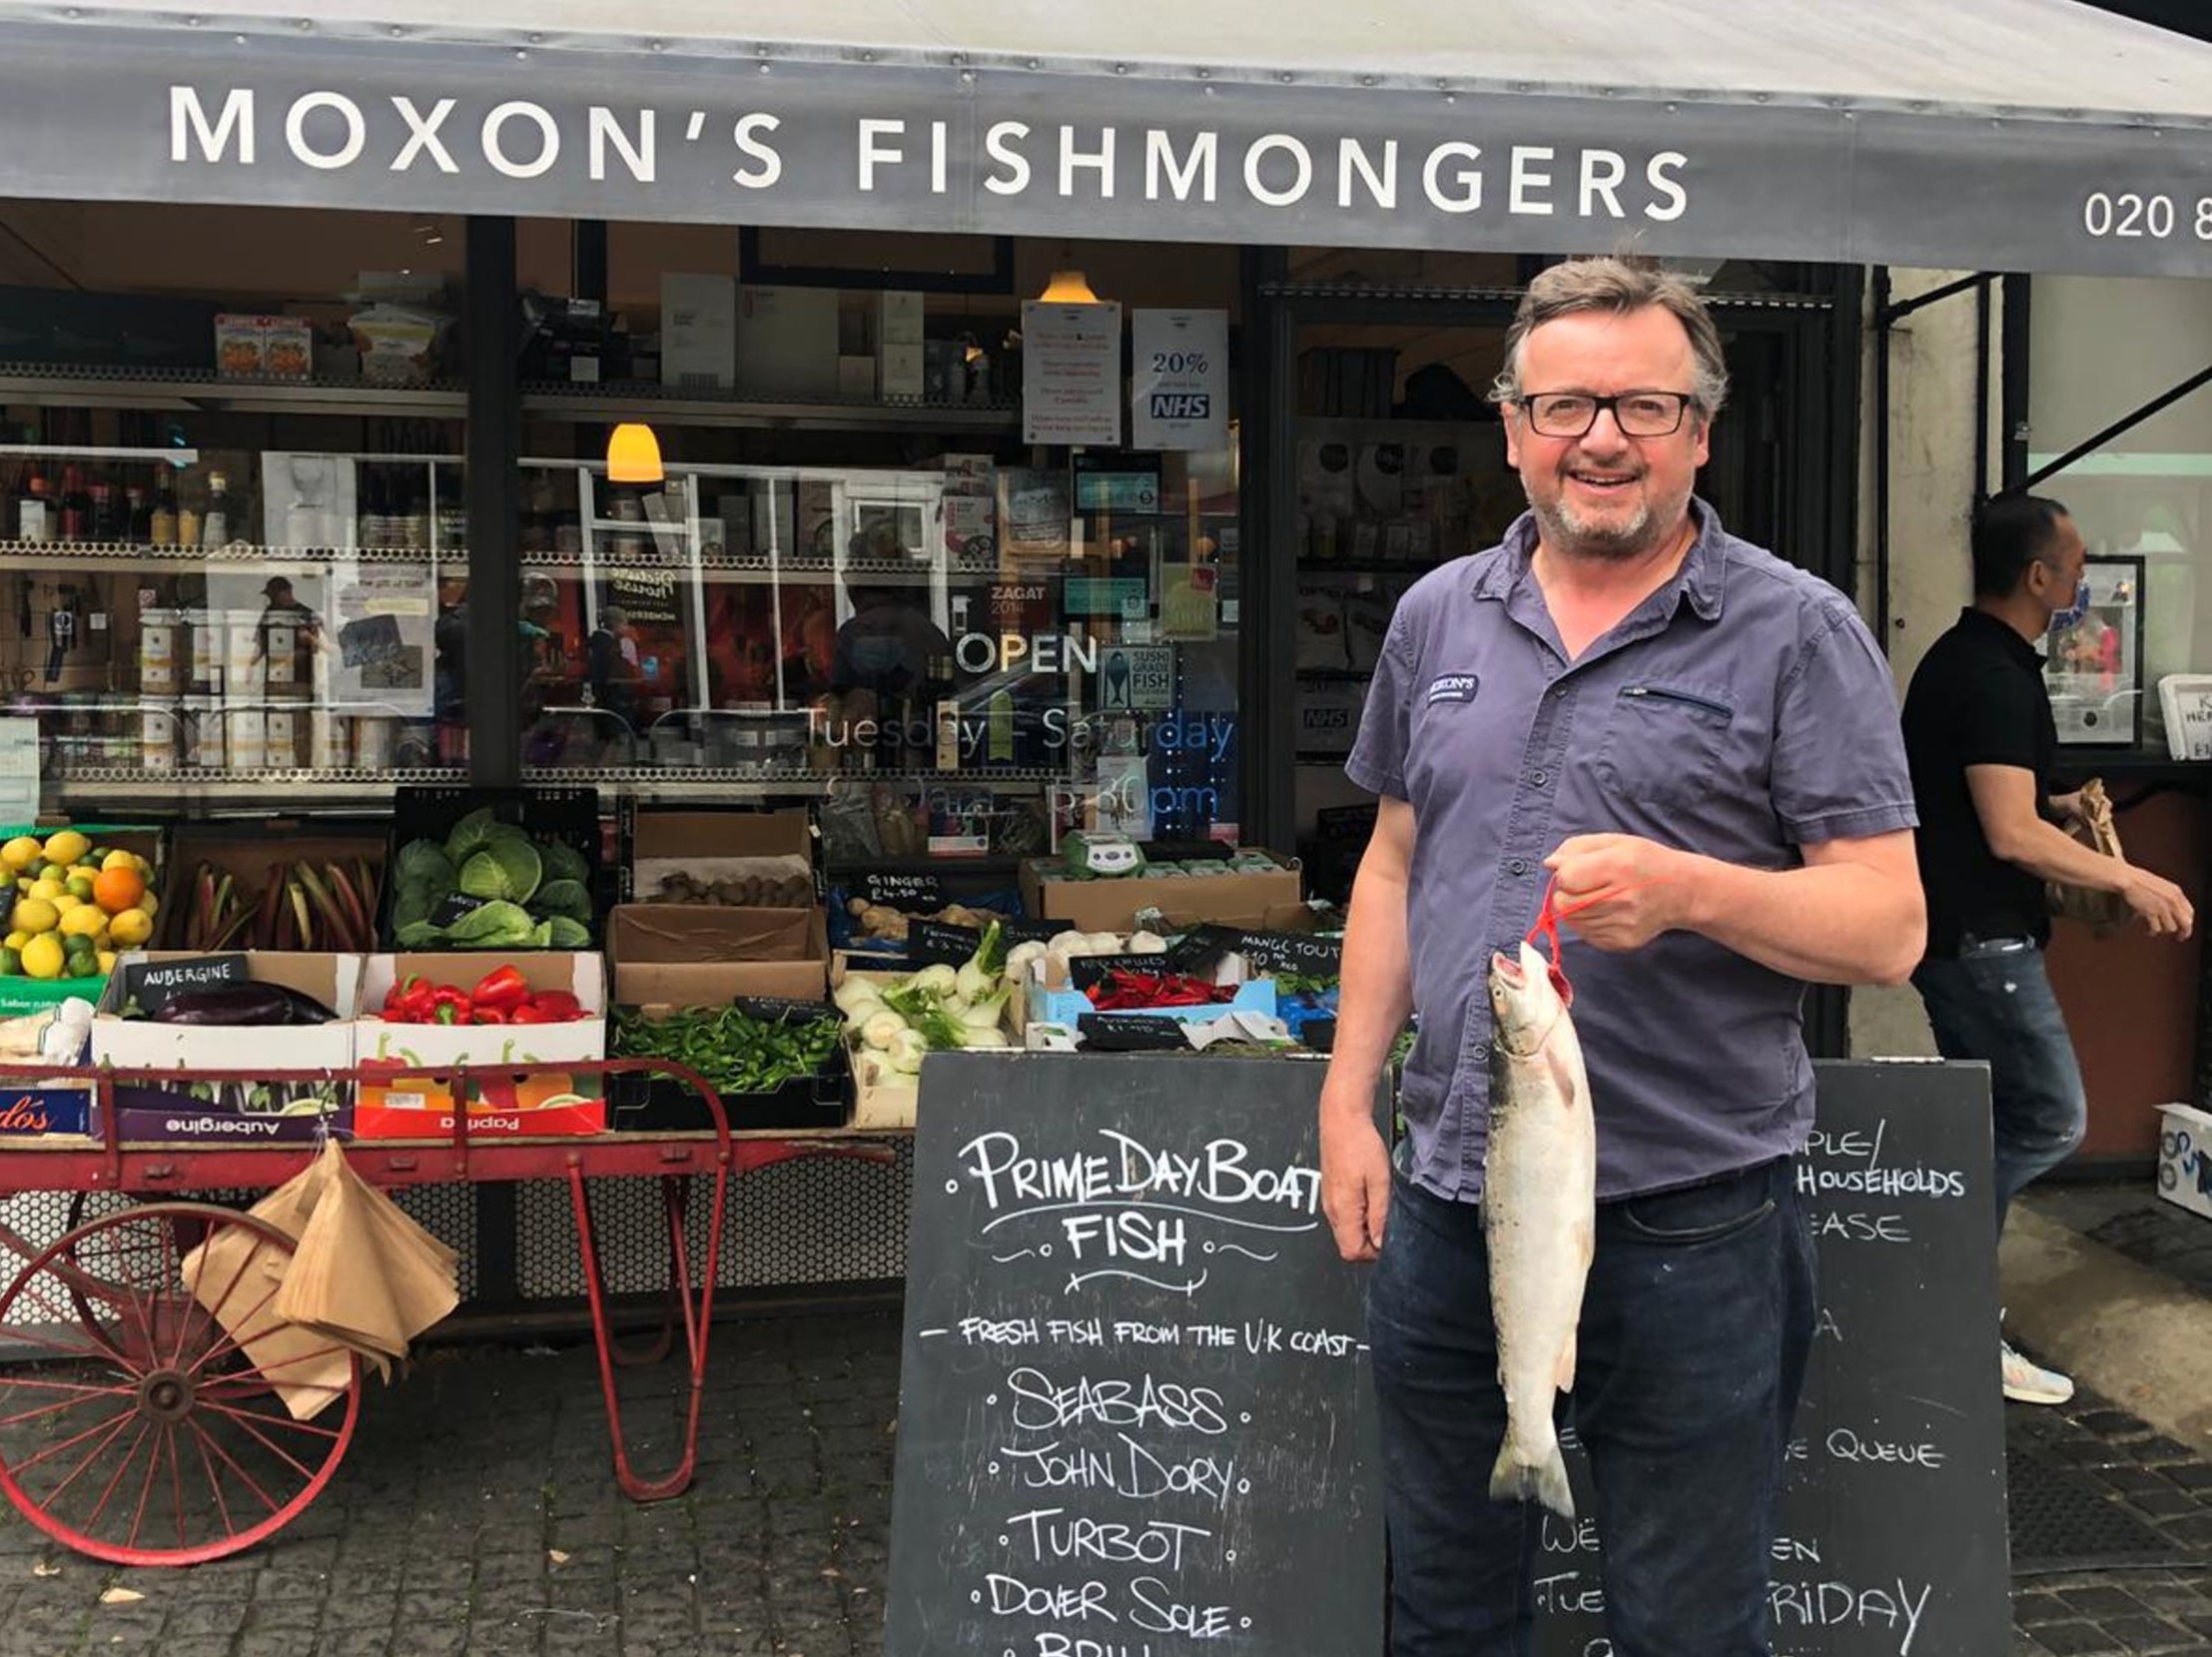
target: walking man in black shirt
<point>1982,742</point>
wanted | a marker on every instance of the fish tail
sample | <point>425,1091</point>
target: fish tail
<point>1519,1477</point>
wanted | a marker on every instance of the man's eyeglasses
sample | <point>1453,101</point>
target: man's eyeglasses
<point>1638,414</point>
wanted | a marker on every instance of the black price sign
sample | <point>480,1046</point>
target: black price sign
<point>1024,931</point>
<point>455,907</point>
<point>1292,952</point>
<point>902,891</point>
<point>1131,1033</point>
<point>1088,972</point>
<point>933,943</point>
<point>778,1010</point>
<point>151,983</point>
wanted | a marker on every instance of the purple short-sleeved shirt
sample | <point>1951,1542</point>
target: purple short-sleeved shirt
<point>1742,711</point>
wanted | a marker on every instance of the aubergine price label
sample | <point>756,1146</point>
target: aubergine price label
<point>778,1010</point>
<point>933,943</point>
<point>151,983</point>
<point>899,890</point>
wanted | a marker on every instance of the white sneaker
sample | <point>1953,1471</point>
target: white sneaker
<point>2029,1383</point>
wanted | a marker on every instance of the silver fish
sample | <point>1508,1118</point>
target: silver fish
<point>1539,1213</point>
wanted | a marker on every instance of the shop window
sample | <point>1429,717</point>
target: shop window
<point>233,497</point>
<point>2101,349</point>
<point>857,584</point>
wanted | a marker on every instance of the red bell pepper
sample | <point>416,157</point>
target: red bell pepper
<point>531,1013</point>
<point>480,1014</point>
<point>449,1006</point>
<point>503,988</point>
<point>555,1006</point>
<point>411,1001</point>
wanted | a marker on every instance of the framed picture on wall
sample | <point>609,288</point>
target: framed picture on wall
<point>2093,661</point>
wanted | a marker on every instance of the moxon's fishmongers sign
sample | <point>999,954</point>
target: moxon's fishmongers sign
<point>402,135</point>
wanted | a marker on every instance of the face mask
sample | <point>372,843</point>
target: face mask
<point>2071,615</point>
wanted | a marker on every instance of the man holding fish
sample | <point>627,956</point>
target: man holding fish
<point>1627,722</point>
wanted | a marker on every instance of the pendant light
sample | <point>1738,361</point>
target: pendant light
<point>633,455</point>
<point>1068,288</point>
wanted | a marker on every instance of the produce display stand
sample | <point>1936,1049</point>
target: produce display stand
<point>137,1427</point>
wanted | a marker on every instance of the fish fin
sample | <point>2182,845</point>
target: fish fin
<point>1512,1479</point>
<point>1565,1380</point>
<point>1563,1075</point>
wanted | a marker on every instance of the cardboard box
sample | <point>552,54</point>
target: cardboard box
<point>52,1108</point>
<point>698,330</point>
<point>2185,1158</point>
<point>856,377</point>
<point>899,371</point>
<point>233,1111</point>
<point>418,1103</point>
<point>787,341</point>
<point>899,317</point>
<point>1050,996</point>
<point>1231,898</point>
<point>772,846</point>
<point>703,955</point>
<point>882,1096</point>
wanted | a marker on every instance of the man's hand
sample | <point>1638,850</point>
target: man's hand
<point>1619,890</point>
<point>2159,904</point>
<point>1355,1178</point>
<point>2066,808</point>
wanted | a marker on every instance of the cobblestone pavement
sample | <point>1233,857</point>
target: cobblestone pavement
<point>477,1513</point>
<point>2129,1219</point>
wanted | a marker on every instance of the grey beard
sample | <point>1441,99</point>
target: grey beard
<point>1569,535</point>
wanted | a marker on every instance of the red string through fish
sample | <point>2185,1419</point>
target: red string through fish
<point>1548,917</point>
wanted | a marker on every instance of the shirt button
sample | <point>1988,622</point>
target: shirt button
<point>1519,866</point>
<point>1482,1050</point>
<point>1540,779</point>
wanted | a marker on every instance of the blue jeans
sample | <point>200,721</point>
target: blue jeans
<point>1994,1001</point>
<point>1696,1325</point>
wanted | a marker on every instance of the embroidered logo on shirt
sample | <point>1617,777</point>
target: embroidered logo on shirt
<point>1453,687</point>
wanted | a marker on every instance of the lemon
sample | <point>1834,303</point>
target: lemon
<point>106,958</point>
<point>18,853</point>
<point>15,940</point>
<point>147,901</point>
<point>132,926</point>
<point>83,921</point>
<point>46,891</point>
<point>36,914</point>
<point>43,957</point>
<point>64,902</point>
<point>114,860</point>
<point>67,847</point>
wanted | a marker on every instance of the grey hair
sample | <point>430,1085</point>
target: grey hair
<point>1618,285</point>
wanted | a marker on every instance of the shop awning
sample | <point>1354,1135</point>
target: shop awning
<point>2036,135</point>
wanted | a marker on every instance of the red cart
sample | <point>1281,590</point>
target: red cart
<point>136,1427</point>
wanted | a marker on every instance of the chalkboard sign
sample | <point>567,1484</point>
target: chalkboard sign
<point>1894,1520</point>
<point>1124,1434</point>
<point>1133,1414</point>
<point>931,943</point>
<point>151,983</point>
<point>1304,953</point>
<point>899,890</point>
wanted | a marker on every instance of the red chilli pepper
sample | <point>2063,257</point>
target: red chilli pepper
<point>449,1006</point>
<point>504,988</point>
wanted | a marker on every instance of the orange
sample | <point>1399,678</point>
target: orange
<point>115,890</point>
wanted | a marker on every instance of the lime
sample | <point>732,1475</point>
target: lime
<point>11,963</point>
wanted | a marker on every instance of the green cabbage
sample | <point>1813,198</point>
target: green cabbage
<point>563,897</point>
<point>542,935</point>
<point>568,934</point>
<point>507,868</point>
<point>423,857</point>
<point>495,925</point>
<point>471,834</point>
<point>416,935</point>
<point>563,861</point>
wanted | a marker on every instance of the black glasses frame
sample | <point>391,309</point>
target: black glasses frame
<point>1530,401</point>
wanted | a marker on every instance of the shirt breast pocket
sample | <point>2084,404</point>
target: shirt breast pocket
<point>1663,743</point>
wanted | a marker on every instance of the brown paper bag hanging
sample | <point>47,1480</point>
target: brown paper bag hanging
<point>366,1274</point>
<point>2096,830</point>
<point>238,1276</point>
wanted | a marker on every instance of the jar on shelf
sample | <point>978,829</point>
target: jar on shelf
<point>158,651</point>
<point>161,735</point>
<point>206,630</point>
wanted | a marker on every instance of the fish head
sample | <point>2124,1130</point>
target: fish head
<point>1525,998</point>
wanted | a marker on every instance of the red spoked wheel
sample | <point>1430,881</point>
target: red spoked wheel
<point>153,1409</point>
